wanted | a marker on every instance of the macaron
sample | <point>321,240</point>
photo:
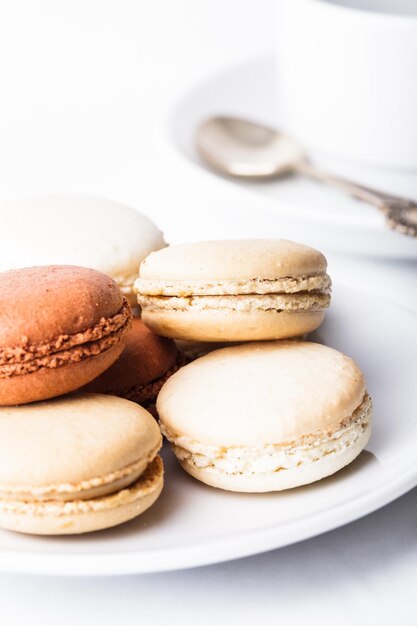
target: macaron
<point>60,327</point>
<point>238,290</point>
<point>77,464</point>
<point>266,416</point>
<point>145,364</point>
<point>77,230</point>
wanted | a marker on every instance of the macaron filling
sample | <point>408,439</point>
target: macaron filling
<point>304,293</point>
<point>146,483</point>
<point>304,301</point>
<point>157,287</point>
<point>65,349</point>
<point>272,458</point>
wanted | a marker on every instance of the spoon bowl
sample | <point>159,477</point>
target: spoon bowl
<point>242,148</point>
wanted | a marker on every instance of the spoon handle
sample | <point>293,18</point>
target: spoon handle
<point>401,213</point>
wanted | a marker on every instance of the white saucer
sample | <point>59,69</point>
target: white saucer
<point>192,524</point>
<point>294,205</point>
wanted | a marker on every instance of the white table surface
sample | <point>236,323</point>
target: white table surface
<point>85,90</point>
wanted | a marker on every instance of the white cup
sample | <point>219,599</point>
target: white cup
<point>348,78</point>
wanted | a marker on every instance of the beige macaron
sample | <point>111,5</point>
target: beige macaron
<point>237,290</point>
<point>77,464</point>
<point>266,416</point>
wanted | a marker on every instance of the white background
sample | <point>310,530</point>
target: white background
<point>85,88</point>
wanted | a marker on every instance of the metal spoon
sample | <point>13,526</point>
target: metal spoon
<point>238,147</point>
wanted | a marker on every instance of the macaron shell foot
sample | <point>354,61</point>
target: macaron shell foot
<point>51,382</point>
<point>76,517</point>
<point>226,325</point>
<point>284,479</point>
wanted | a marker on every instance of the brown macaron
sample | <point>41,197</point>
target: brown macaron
<point>60,327</point>
<point>146,362</point>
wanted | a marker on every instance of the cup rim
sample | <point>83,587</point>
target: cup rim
<point>368,14</point>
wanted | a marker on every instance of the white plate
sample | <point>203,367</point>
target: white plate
<point>330,218</point>
<point>192,524</point>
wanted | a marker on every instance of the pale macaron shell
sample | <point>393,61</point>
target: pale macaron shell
<point>77,230</point>
<point>223,324</point>
<point>82,516</point>
<point>73,447</point>
<point>261,393</point>
<point>241,259</point>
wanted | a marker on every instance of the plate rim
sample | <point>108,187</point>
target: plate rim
<point>257,541</point>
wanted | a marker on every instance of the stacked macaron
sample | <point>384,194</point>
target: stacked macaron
<point>81,378</point>
<point>76,462</point>
<point>243,290</point>
<point>263,415</point>
<point>60,327</point>
<point>266,416</point>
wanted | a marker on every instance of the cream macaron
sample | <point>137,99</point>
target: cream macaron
<point>237,290</point>
<point>77,230</point>
<point>266,416</point>
<point>77,464</point>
